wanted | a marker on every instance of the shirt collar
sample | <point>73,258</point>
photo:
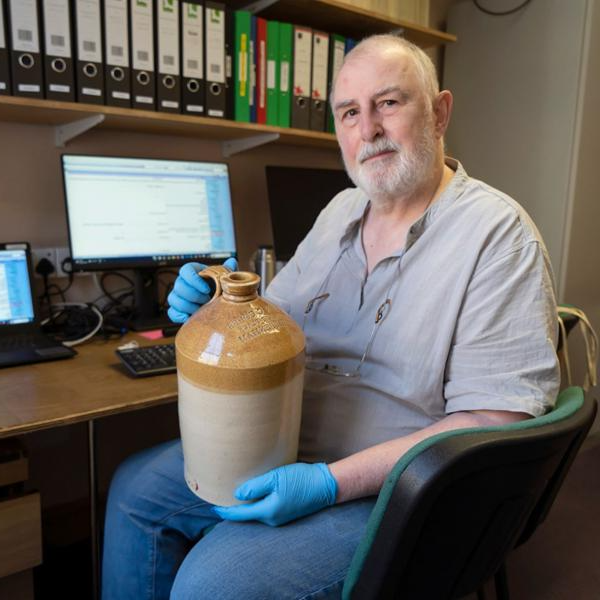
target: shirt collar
<point>355,218</point>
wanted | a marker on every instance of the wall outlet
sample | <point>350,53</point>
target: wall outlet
<point>54,255</point>
<point>62,252</point>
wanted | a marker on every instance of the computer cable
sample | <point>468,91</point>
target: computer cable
<point>74,323</point>
<point>45,268</point>
<point>167,285</point>
<point>501,13</point>
<point>105,276</point>
<point>113,303</point>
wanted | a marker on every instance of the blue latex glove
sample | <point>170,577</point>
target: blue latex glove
<point>190,292</point>
<point>283,494</point>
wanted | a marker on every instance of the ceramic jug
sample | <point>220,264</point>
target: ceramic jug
<point>240,371</point>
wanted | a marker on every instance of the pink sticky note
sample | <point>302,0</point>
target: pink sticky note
<point>155,334</point>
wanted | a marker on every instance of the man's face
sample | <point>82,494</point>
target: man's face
<point>385,123</point>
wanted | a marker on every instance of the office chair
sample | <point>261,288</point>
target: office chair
<point>456,504</point>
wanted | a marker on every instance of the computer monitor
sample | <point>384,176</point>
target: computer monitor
<point>145,214</point>
<point>296,197</point>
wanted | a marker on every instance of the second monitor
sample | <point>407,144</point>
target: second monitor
<point>296,197</point>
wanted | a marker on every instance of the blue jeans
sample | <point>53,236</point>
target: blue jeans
<point>156,542</point>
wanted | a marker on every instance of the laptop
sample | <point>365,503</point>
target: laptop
<point>21,338</point>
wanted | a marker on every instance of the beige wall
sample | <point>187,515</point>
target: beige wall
<point>582,273</point>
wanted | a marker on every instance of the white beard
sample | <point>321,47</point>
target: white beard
<point>399,174</point>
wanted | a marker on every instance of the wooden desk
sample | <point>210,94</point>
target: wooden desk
<point>93,384</point>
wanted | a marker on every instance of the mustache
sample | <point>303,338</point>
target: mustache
<point>369,150</point>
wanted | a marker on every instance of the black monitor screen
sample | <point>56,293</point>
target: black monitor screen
<point>141,212</point>
<point>296,197</point>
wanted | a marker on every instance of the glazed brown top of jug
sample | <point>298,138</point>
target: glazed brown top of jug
<point>238,341</point>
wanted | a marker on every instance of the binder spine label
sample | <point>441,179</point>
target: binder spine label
<point>284,79</point>
<point>57,32</point>
<point>89,41</point>
<point>338,57</point>
<point>243,65</point>
<point>2,36</point>
<point>116,33</point>
<point>302,55</point>
<point>142,40</point>
<point>168,37</point>
<point>193,66</point>
<point>215,45</point>
<point>271,79</point>
<point>63,89</point>
<point>23,17</point>
<point>262,74</point>
<point>88,91</point>
<point>251,71</point>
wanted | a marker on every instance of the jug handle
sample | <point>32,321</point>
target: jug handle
<point>214,273</point>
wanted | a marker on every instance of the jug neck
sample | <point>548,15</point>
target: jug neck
<point>240,286</point>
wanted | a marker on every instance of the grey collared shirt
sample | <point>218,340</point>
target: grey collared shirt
<point>471,322</point>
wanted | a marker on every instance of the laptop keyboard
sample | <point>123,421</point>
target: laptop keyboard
<point>20,341</point>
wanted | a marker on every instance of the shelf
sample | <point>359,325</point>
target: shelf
<point>348,20</point>
<point>49,112</point>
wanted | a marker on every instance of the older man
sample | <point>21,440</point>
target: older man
<point>427,302</point>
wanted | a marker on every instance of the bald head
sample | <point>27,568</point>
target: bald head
<point>378,45</point>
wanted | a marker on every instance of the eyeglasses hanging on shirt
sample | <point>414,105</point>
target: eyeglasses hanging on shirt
<point>331,369</point>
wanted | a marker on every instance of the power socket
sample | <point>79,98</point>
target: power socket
<point>62,252</point>
<point>54,255</point>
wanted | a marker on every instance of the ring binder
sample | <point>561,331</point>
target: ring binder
<point>215,59</point>
<point>116,42</point>
<point>318,102</point>
<point>90,74</point>
<point>142,55</point>
<point>168,89</point>
<point>192,57</point>
<point>302,80</point>
<point>26,63</point>
<point>58,57</point>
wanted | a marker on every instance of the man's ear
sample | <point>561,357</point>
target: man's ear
<point>442,109</point>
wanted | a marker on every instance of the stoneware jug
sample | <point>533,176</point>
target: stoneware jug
<point>240,371</point>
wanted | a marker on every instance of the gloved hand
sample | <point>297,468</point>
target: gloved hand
<point>285,493</point>
<point>190,292</point>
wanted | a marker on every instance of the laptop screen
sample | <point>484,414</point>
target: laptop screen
<point>16,303</point>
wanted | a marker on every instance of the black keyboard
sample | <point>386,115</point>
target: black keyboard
<point>149,360</point>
